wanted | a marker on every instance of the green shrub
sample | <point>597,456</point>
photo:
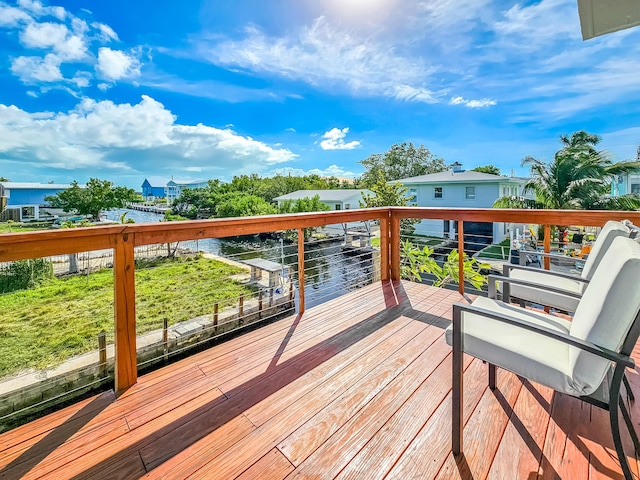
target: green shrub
<point>25,274</point>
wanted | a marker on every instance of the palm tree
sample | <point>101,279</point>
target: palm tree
<point>579,177</point>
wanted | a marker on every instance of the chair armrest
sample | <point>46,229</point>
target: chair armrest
<point>525,283</point>
<point>507,267</point>
<point>551,255</point>
<point>589,347</point>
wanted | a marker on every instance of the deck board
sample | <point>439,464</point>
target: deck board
<point>359,387</point>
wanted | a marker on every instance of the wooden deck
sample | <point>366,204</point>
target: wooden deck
<point>359,387</point>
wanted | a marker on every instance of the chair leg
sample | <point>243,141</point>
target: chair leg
<point>492,376</point>
<point>632,431</point>
<point>617,441</point>
<point>627,387</point>
<point>457,386</point>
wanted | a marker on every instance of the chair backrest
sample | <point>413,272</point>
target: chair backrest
<point>611,230</point>
<point>606,312</point>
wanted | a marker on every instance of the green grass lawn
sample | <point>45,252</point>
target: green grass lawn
<point>498,251</point>
<point>22,227</point>
<point>44,326</point>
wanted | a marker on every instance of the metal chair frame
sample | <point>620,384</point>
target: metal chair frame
<point>609,400</point>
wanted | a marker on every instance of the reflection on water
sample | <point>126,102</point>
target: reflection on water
<point>329,273</point>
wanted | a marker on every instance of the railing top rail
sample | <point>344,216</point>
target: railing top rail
<point>16,246</point>
<point>592,218</point>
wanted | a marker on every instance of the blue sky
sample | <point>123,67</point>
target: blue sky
<point>211,89</point>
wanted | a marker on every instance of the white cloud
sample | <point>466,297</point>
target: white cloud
<point>11,16</point>
<point>32,69</point>
<point>143,137</point>
<point>540,22</point>
<point>36,8</point>
<point>64,39</point>
<point>55,36</point>
<point>115,64</point>
<point>106,31</point>
<point>328,58</point>
<point>482,103</point>
<point>42,35</point>
<point>334,140</point>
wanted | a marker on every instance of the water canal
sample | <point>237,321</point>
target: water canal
<point>329,272</point>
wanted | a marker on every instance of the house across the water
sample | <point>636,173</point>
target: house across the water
<point>458,188</point>
<point>175,187</point>
<point>151,193</point>
<point>336,199</point>
<point>23,202</point>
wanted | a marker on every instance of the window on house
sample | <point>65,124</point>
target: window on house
<point>470,193</point>
<point>338,206</point>
<point>413,196</point>
<point>437,192</point>
<point>635,188</point>
<point>28,212</point>
<point>347,206</point>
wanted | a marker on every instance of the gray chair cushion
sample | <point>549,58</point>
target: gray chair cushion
<point>545,297</point>
<point>607,309</point>
<point>525,353</point>
<point>611,230</point>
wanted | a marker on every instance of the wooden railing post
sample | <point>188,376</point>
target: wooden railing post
<point>102,353</point>
<point>126,368</point>
<point>301,269</point>
<point>547,246</point>
<point>394,241</point>
<point>385,266</point>
<point>461,257</point>
<point>165,338</point>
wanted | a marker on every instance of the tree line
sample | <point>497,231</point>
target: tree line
<point>578,177</point>
<point>248,195</point>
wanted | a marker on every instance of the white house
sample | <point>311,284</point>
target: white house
<point>175,187</point>
<point>336,199</point>
<point>459,189</point>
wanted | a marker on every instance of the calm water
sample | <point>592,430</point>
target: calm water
<point>328,272</point>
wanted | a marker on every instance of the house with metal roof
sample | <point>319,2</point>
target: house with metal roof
<point>174,188</point>
<point>28,198</point>
<point>336,199</point>
<point>458,188</point>
<point>151,193</point>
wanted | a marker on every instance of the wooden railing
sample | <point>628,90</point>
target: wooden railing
<point>124,238</point>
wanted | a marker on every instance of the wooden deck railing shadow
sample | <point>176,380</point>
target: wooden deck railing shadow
<point>522,430</point>
<point>48,444</point>
<point>123,239</point>
<point>198,423</point>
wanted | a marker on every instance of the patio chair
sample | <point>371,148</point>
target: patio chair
<point>563,290</point>
<point>584,358</point>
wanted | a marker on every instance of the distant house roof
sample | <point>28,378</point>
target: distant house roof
<point>186,183</point>
<point>325,195</point>
<point>35,186</point>
<point>465,176</point>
